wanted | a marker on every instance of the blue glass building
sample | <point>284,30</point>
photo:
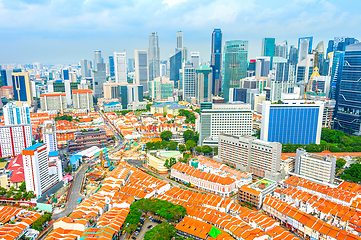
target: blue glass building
<point>175,64</point>
<point>216,61</point>
<point>348,91</point>
<point>268,48</point>
<point>235,65</point>
<point>111,66</point>
<point>294,122</point>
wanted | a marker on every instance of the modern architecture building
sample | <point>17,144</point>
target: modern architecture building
<point>204,77</point>
<point>282,78</point>
<point>97,59</point>
<point>340,43</point>
<point>14,138</point>
<point>181,47</point>
<point>348,91</point>
<point>234,65</point>
<point>141,68</point>
<point>263,65</point>
<point>256,192</point>
<point>22,88</point>
<point>195,59</point>
<point>249,154</point>
<point>268,48</point>
<point>99,78</point>
<point>175,64</point>
<point>83,99</point>
<point>120,67</point>
<point>294,121</point>
<point>293,56</point>
<point>41,172</point>
<point>49,135</point>
<point>304,48</point>
<point>84,68</point>
<point>14,114</point>
<point>314,166</point>
<point>281,50</point>
<point>153,56</point>
<point>216,61</point>
<point>131,64</point>
<point>188,81</point>
<point>53,101</point>
<point>111,66</point>
<point>231,118</point>
<point>161,88</point>
<point>304,71</point>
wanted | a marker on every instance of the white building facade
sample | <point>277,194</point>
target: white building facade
<point>14,138</point>
<point>49,135</point>
<point>120,67</point>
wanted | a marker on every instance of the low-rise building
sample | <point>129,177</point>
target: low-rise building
<point>157,159</point>
<point>168,108</point>
<point>112,106</point>
<point>87,138</point>
<point>53,101</point>
<point>321,168</point>
<point>256,192</point>
<point>134,106</point>
<point>210,176</point>
<point>7,92</point>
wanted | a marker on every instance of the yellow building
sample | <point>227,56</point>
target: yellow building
<point>168,108</point>
<point>22,88</point>
<point>157,159</point>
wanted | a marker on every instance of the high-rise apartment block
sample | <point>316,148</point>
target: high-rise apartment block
<point>22,88</point>
<point>41,173</point>
<point>83,99</point>
<point>234,65</point>
<point>230,118</point>
<point>295,121</point>
<point>49,135</point>
<point>153,56</point>
<point>250,154</point>
<point>14,138</point>
<point>14,114</point>
<point>204,84</point>
<point>53,101</point>
<point>141,68</point>
<point>216,61</point>
<point>318,167</point>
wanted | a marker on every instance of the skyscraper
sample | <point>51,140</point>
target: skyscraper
<point>153,56</point>
<point>281,50</point>
<point>348,104</point>
<point>22,88</point>
<point>131,64</point>
<point>111,66</point>
<point>195,59</point>
<point>216,61</point>
<point>189,84</point>
<point>234,64</point>
<point>120,67</point>
<point>268,48</point>
<point>84,68</point>
<point>99,77</point>
<point>262,66</point>
<point>97,58</point>
<point>304,47</point>
<point>203,84</point>
<point>141,68</point>
<point>175,64</point>
<point>293,56</point>
<point>180,40</point>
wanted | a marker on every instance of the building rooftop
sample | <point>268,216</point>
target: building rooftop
<point>35,146</point>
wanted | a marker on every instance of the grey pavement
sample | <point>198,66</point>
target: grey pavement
<point>74,194</point>
<point>145,228</point>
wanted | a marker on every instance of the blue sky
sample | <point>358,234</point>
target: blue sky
<point>65,31</point>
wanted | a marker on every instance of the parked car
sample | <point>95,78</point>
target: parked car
<point>150,226</point>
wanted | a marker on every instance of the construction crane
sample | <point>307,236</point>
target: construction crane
<point>317,51</point>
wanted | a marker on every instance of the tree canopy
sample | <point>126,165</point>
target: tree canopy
<point>170,162</point>
<point>163,231</point>
<point>190,116</point>
<point>353,174</point>
<point>171,145</point>
<point>166,135</point>
<point>190,144</point>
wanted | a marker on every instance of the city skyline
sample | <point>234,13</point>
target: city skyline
<point>72,31</point>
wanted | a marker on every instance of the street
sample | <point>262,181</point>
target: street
<point>74,194</point>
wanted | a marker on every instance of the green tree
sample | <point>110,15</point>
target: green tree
<point>170,162</point>
<point>181,147</point>
<point>163,231</point>
<point>22,187</point>
<point>190,116</point>
<point>215,150</point>
<point>188,135</point>
<point>172,145</point>
<point>352,174</point>
<point>206,149</point>
<point>340,163</point>
<point>166,135</point>
<point>148,106</point>
<point>198,149</point>
<point>31,195</point>
<point>196,137</point>
<point>190,144</point>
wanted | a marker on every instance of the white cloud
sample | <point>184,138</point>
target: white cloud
<point>171,3</point>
